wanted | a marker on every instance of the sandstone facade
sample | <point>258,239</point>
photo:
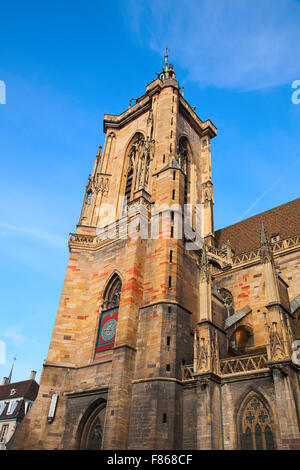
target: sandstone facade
<point>156,345</point>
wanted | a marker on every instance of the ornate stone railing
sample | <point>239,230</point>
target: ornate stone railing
<point>236,366</point>
<point>245,257</point>
<point>242,364</point>
<point>277,247</point>
<point>82,240</point>
<point>187,372</point>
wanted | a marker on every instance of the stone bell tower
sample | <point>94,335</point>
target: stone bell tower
<point>130,300</point>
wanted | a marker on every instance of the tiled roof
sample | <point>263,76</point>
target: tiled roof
<point>245,235</point>
<point>26,389</point>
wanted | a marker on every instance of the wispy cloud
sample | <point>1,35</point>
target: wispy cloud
<point>268,190</point>
<point>14,335</point>
<point>225,43</point>
<point>39,235</point>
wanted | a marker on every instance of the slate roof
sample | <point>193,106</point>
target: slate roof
<point>244,236</point>
<point>26,389</point>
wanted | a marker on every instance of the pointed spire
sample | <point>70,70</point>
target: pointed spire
<point>266,253</point>
<point>11,370</point>
<point>263,236</point>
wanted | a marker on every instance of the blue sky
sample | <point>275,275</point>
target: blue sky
<point>65,64</point>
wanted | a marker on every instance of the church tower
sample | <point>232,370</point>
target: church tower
<point>166,337</point>
<point>124,324</point>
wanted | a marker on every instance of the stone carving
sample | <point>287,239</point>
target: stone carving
<point>104,185</point>
<point>207,193</point>
<point>206,353</point>
<point>200,354</point>
<point>276,346</point>
<point>266,254</point>
<point>140,157</point>
<point>204,266</point>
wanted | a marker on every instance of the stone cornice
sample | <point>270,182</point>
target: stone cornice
<point>167,302</point>
<point>111,121</point>
<point>67,365</point>
<point>86,392</point>
<point>155,379</point>
<point>201,127</point>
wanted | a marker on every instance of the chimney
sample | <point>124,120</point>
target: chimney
<point>5,380</point>
<point>32,375</point>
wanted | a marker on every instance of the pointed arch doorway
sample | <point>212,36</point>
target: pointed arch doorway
<point>92,428</point>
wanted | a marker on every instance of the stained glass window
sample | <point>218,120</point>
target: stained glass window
<point>256,426</point>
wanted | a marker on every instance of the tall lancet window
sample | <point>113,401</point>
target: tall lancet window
<point>133,167</point>
<point>109,315</point>
<point>183,157</point>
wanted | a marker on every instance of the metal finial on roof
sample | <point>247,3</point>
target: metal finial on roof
<point>166,59</point>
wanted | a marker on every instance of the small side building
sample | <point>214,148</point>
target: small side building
<point>16,400</point>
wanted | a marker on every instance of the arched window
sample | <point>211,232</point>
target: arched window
<point>256,426</point>
<point>241,340</point>
<point>92,432</point>
<point>228,301</point>
<point>109,315</point>
<point>112,293</point>
<point>183,157</point>
<point>134,167</point>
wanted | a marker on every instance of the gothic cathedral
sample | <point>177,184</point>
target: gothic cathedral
<point>169,334</point>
